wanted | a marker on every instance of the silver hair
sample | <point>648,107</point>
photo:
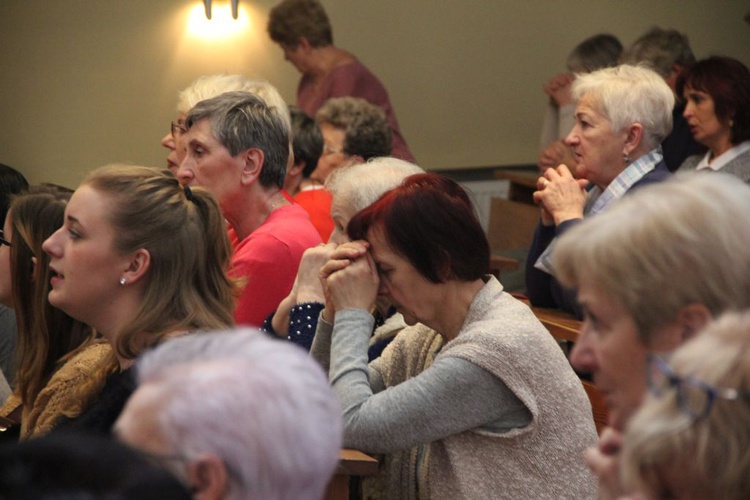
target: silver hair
<point>661,49</point>
<point>242,120</point>
<point>209,86</point>
<point>630,94</point>
<point>596,52</point>
<point>262,405</point>
<point>358,186</point>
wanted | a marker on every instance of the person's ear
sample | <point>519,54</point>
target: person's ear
<point>356,159</point>
<point>140,263</point>
<point>296,169</point>
<point>304,43</point>
<point>633,138</point>
<point>692,319</point>
<point>688,322</point>
<point>208,478</point>
<point>252,164</point>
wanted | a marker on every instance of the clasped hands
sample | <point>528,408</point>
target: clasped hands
<point>349,278</point>
<point>341,277</point>
<point>560,196</point>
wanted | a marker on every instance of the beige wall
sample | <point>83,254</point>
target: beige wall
<point>89,82</point>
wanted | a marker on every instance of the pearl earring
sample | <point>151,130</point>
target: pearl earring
<point>122,281</point>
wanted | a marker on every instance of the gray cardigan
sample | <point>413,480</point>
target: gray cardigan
<point>738,167</point>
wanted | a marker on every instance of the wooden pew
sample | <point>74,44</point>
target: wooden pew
<point>351,463</point>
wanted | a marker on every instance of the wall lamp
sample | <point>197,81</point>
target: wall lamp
<point>207,4</point>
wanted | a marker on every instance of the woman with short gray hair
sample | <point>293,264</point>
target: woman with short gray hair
<point>623,114</point>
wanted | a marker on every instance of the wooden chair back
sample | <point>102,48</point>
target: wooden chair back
<point>511,224</point>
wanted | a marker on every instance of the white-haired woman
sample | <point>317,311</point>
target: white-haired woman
<point>207,87</point>
<point>622,115</point>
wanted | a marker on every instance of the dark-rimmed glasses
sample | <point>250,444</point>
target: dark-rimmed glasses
<point>694,397</point>
<point>3,241</point>
<point>177,129</point>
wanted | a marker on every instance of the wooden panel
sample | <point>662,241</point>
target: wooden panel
<point>511,224</point>
<point>561,325</point>
<point>598,407</point>
<point>351,463</point>
<point>522,184</point>
<point>356,463</point>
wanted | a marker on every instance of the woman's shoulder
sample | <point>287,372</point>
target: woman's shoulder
<point>60,396</point>
<point>85,360</point>
<point>492,304</point>
<point>498,324</point>
<point>690,163</point>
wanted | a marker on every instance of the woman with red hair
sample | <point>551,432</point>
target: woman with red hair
<point>717,92</point>
<point>474,399</point>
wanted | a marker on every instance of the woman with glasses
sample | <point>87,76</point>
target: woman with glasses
<point>651,272</point>
<point>141,260</point>
<point>690,439</point>
<point>55,353</point>
<point>207,87</point>
<point>353,131</point>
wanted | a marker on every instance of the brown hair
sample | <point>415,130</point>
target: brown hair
<point>46,335</point>
<point>291,20</point>
<point>188,288</point>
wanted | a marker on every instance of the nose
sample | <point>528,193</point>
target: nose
<point>185,172</point>
<point>382,289</point>
<point>572,137</point>
<point>168,141</point>
<point>583,357</point>
<point>49,246</point>
<point>688,112</point>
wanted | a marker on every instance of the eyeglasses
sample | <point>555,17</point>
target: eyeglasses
<point>3,241</point>
<point>177,129</point>
<point>328,150</point>
<point>695,397</point>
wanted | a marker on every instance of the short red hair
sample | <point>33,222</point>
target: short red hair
<point>430,221</point>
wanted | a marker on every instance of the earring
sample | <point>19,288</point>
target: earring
<point>626,158</point>
<point>123,281</point>
<point>731,123</point>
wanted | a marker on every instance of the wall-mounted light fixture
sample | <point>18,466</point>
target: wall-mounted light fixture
<point>235,7</point>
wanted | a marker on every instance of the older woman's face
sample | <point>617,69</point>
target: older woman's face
<point>416,298</point>
<point>598,149</point>
<point>704,124</point>
<point>173,142</point>
<point>333,155</point>
<point>611,350</point>
<point>297,56</point>
<point>341,213</point>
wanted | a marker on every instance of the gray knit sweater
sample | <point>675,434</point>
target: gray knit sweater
<point>498,414</point>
